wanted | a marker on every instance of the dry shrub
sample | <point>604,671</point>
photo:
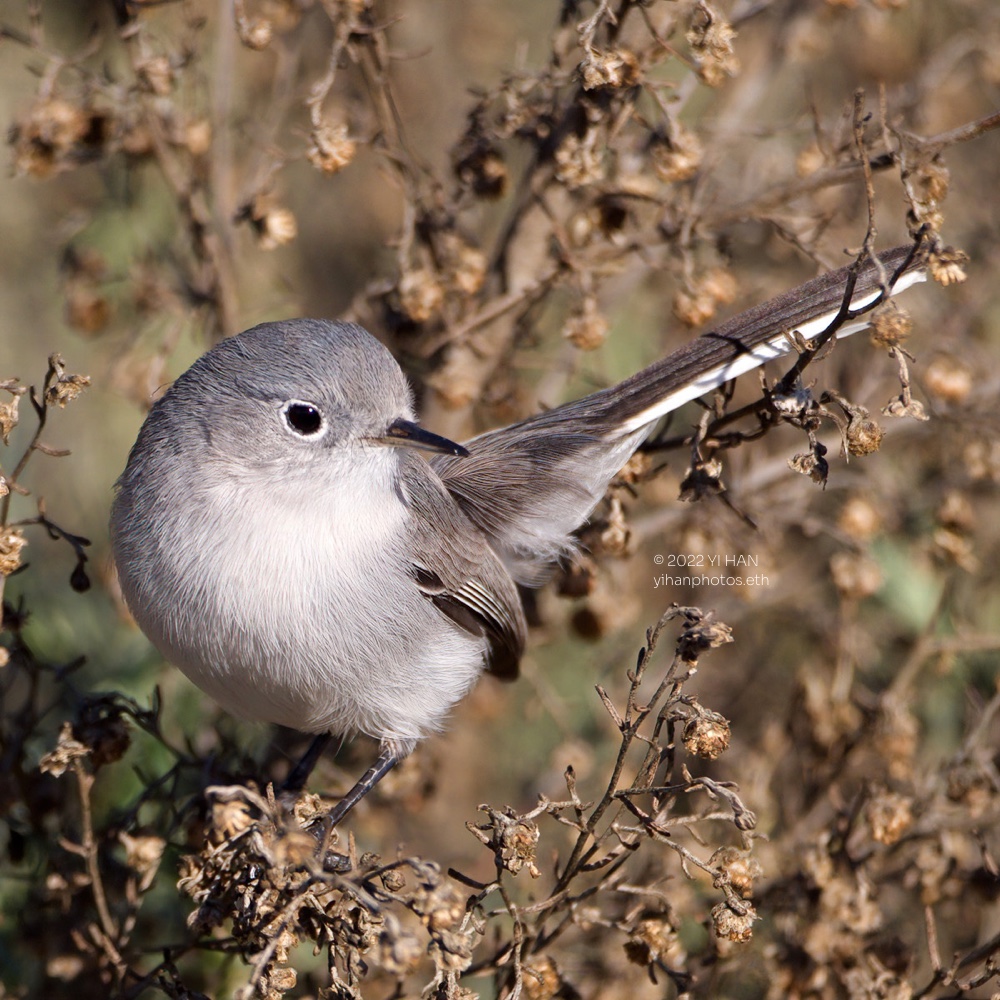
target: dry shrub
<point>828,827</point>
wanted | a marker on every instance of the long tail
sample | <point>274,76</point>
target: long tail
<point>530,485</point>
<point>757,336</point>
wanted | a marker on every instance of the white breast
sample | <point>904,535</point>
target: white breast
<point>342,640</point>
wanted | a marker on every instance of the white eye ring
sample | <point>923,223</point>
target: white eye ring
<point>303,419</point>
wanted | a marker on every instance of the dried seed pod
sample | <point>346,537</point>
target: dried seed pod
<point>615,539</point>
<point>701,636</point>
<point>464,265</point>
<point>693,309</point>
<point>889,816</point>
<point>579,159</point>
<point>88,309</point>
<point>615,68</point>
<point>156,75</point>
<point>707,735</point>
<point>711,39</point>
<point>9,415</point>
<point>859,519</point>
<point>677,156</point>
<point>197,136</point>
<point>697,304</point>
<point>400,951</point>
<point>484,171</point>
<point>273,225</point>
<point>809,160</point>
<point>654,939</point>
<point>103,727</point>
<point>947,265</point>
<point>512,838</point>
<point>948,379</point>
<point>12,540</point>
<point>68,749</point>
<point>812,464</point>
<point>855,576</point>
<point>588,328</point>
<point>64,388</point>
<point>56,134</point>
<point>143,852</point>
<point>331,148</point>
<point>740,869</point>
<point>255,34</point>
<point>897,738</point>
<point>891,325</point>
<point>703,479</point>
<point>900,406</point>
<point>421,296</point>
<point>732,925</point>
<point>439,904</point>
<point>934,179</point>
<point>542,980</point>
<point>863,435</point>
<point>972,786</point>
<point>956,547</point>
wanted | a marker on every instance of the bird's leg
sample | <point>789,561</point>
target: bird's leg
<point>387,760</point>
<point>299,774</point>
<point>296,780</point>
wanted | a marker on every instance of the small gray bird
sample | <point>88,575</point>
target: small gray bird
<point>280,537</point>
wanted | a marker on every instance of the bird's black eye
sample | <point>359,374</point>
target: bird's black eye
<point>302,419</point>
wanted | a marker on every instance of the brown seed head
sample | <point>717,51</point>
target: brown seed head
<point>399,950</point>
<point>653,940</point>
<point>156,75</point>
<point>142,852</point>
<point>9,414</point>
<point>810,159</point>
<point>934,179</point>
<point>707,735</point>
<point>889,816</point>
<point>331,148</point>
<point>739,868</point>
<point>464,265</point>
<point>732,925</point>
<point>947,266</point>
<point>256,34</point>
<point>276,227</point>
<point>859,519</point>
<point>541,979</point>
<point>588,328</point>
<point>68,749</point>
<point>890,325</point>
<point>11,543</point>
<point>579,159</point>
<point>678,156</point>
<point>616,68</point>
<point>693,309</point>
<point>421,296</point>
<point>855,576</point>
<point>484,171</point>
<point>198,136</point>
<point>948,379</point>
<point>45,139</point>
<point>711,41</point>
<point>863,434</point>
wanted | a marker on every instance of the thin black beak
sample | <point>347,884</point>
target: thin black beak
<point>406,434</point>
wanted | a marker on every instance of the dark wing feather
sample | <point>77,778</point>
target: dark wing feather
<point>455,567</point>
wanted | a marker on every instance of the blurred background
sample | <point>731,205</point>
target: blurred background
<point>528,201</point>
